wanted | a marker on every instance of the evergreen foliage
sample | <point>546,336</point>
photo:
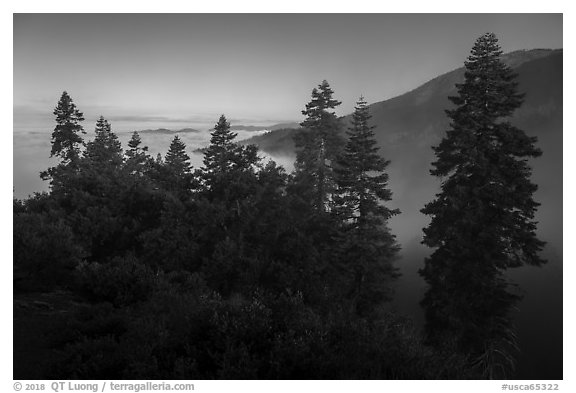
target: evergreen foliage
<point>66,144</point>
<point>66,138</point>
<point>238,269</point>
<point>361,175</point>
<point>176,159</point>
<point>223,155</point>
<point>137,158</point>
<point>483,218</point>
<point>229,169</point>
<point>318,144</point>
<point>176,168</point>
<point>367,248</point>
<point>105,150</point>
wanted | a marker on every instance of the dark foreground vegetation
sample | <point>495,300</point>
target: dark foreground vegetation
<point>149,268</point>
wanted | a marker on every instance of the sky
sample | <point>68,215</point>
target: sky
<point>184,70</point>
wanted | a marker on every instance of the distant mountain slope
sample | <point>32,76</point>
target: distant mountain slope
<point>248,128</point>
<point>262,128</point>
<point>418,116</point>
<point>279,142</point>
<point>167,131</point>
<point>408,126</point>
<point>282,126</point>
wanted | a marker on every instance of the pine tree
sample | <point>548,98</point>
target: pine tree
<point>223,154</point>
<point>135,150</point>
<point>178,177</point>
<point>66,144</point>
<point>224,158</point>
<point>218,156</point>
<point>318,143</point>
<point>177,159</point>
<point>483,218</point>
<point>137,159</point>
<point>361,175</point>
<point>101,165</point>
<point>367,247</point>
<point>229,184</point>
<point>105,149</point>
<point>66,139</point>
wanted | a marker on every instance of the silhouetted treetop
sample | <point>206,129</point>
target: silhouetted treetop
<point>66,139</point>
<point>318,144</point>
<point>105,148</point>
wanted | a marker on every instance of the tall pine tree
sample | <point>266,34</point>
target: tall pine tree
<point>367,247</point>
<point>229,185</point>
<point>101,165</point>
<point>224,160</point>
<point>361,175</point>
<point>137,158</point>
<point>219,156</point>
<point>318,144</point>
<point>483,218</point>
<point>66,138</point>
<point>176,158</point>
<point>178,170</point>
<point>105,149</point>
<point>66,144</point>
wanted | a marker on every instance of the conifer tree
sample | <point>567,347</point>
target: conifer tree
<point>483,218</point>
<point>99,170</point>
<point>224,157</point>
<point>318,143</point>
<point>177,159</point>
<point>178,175</point>
<point>66,144</point>
<point>367,247</point>
<point>134,143</point>
<point>137,158</point>
<point>361,175</point>
<point>105,149</point>
<point>66,139</point>
<point>229,184</point>
<point>223,154</point>
<point>219,154</point>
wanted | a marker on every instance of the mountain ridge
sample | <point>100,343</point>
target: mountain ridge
<point>421,111</point>
<point>272,127</point>
<point>407,126</point>
<point>168,131</point>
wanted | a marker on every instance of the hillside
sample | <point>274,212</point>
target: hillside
<point>273,127</point>
<point>167,131</point>
<point>408,126</point>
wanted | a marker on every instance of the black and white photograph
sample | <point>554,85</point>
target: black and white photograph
<point>287,196</point>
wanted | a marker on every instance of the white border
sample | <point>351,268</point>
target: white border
<point>297,6</point>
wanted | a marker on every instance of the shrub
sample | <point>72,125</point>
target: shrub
<point>45,252</point>
<point>91,358</point>
<point>123,281</point>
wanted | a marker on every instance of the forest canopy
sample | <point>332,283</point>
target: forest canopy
<point>240,270</point>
